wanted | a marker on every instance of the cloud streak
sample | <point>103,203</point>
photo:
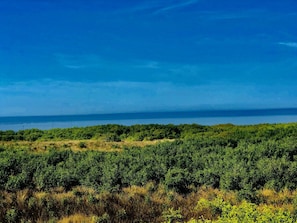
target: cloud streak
<point>97,68</point>
<point>78,61</point>
<point>156,7</point>
<point>151,5</point>
<point>175,6</point>
<point>111,70</point>
<point>229,15</point>
<point>289,44</point>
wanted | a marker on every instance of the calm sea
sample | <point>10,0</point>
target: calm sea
<point>203,117</point>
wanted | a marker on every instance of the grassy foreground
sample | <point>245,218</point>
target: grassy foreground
<point>150,173</point>
<point>149,203</point>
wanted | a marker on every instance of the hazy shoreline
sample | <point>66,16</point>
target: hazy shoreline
<point>240,120</point>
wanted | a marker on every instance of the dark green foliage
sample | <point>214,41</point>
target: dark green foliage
<point>224,135</point>
<point>178,179</point>
<point>82,145</point>
<point>113,133</point>
<point>12,216</point>
<point>240,158</point>
<point>112,137</point>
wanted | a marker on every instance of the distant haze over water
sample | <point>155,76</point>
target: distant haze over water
<point>203,117</point>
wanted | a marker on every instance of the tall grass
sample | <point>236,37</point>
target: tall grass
<point>150,203</point>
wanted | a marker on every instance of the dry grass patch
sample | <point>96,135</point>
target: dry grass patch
<point>77,218</point>
<point>77,145</point>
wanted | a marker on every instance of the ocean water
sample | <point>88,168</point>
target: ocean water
<point>203,117</point>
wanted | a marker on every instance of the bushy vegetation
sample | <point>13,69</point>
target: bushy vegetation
<point>227,132</point>
<point>222,173</point>
<point>106,132</point>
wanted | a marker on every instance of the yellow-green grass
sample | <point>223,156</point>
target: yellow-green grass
<point>149,202</point>
<point>76,145</point>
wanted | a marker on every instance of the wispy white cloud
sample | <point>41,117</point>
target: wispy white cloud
<point>289,44</point>
<point>156,6</point>
<point>143,6</point>
<point>218,15</point>
<point>163,71</point>
<point>96,61</point>
<point>173,6</point>
<point>79,61</point>
<point>70,66</point>
<point>148,64</point>
<point>151,71</point>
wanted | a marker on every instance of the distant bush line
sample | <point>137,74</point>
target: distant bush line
<point>117,133</point>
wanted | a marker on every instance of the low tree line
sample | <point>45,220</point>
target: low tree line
<point>155,131</point>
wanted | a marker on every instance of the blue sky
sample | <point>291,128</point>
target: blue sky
<point>75,57</point>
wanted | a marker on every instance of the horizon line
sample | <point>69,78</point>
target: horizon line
<point>190,113</point>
